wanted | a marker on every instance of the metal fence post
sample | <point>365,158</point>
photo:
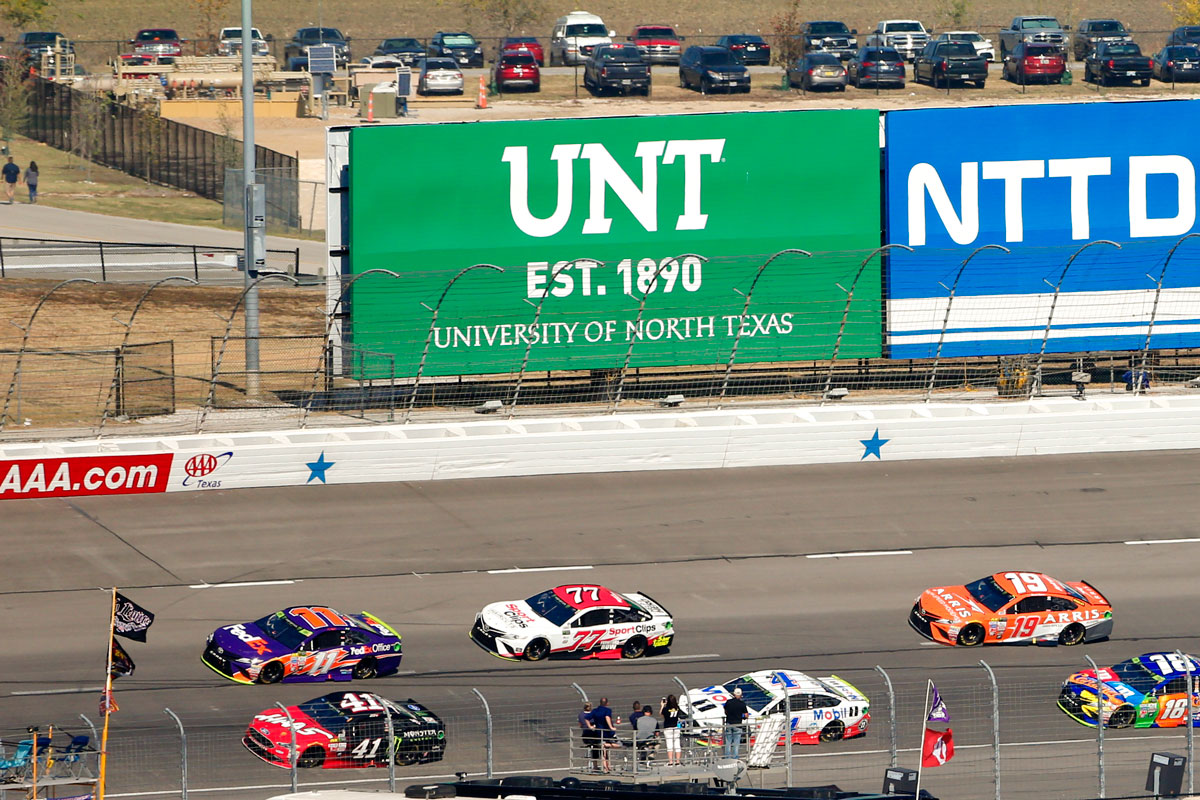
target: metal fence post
<point>91,726</point>
<point>183,762</point>
<point>579,689</point>
<point>195,265</point>
<point>103,270</point>
<point>953,289</point>
<point>1138,378</point>
<point>293,756</point>
<point>1037,374</point>
<point>995,727</point>
<point>1191,719</point>
<point>487,715</point>
<point>1099,720</point>
<point>391,734</point>
<point>2,275</point>
<point>891,714</point>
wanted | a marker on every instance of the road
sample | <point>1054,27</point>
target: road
<point>729,552</point>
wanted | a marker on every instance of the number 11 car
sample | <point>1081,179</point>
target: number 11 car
<point>1146,691</point>
<point>1013,607</point>
<point>304,644</point>
<point>588,621</point>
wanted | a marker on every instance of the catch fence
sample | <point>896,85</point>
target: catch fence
<point>1010,738</point>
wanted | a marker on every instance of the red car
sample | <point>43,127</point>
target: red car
<point>1034,63</point>
<point>529,43</point>
<point>517,69</point>
<point>658,43</point>
<point>157,42</point>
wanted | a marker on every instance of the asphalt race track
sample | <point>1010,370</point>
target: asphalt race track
<point>728,552</point>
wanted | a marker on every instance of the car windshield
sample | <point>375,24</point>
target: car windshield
<point>398,44</point>
<point>747,39</point>
<point>754,695</point>
<point>882,55</point>
<point>320,35</point>
<point>440,63</point>
<point>1184,52</point>
<point>1190,32</point>
<point>329,715</point>
<point>520,40</point>
<point>956,49</point>
<point>655,33</point>
<point>989,593</point>
<point>904,27</point>
<point>823,58</point>
<point>236,33</point>
<point>156,34</point>
<point>41,38</point>
<point>549,606</point>
<point>518,58</point>
<point>621,54</point>
<point>1110,26</point>
<point>717,59</point>
<point>826,28</point>
<point>1123,50</point>
<point>1041,51</point>
<point>965,37</point>
<point>586,29</point>
<point>458,40</point>
<point>282,630</point>
<point>1039,23</point>
<point>1136,675</point>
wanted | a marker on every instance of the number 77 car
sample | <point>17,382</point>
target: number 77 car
<point>586,621</point>
<point>304,644</point>
<point>1146,691</point>
<point>1013,607</point>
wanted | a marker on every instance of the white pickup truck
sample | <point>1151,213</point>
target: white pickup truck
<point>908,36</point>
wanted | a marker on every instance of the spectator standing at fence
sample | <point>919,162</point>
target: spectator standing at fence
<point>636,714</point>
<point>645,727</point>
<point>31,181</point>
<point>670,723</point>
<point>590,737</point>
<point>735,718</point>
<point>12,174</point>
<point>602,718</point>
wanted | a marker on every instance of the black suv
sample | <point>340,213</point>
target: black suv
<point>749,47</point>
<point>460,46</point>
<point>1093,31</point>
<point>709,68</point>
<point>1186,34</point>
<point>31,44</point>
<point>829,36</point>
<point>403,49</point>
<point>295,53</point>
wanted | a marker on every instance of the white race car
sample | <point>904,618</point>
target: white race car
<point>577,620</point>
<point>822,709</point>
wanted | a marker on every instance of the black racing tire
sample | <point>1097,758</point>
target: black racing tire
<point>634,648</point>
<point>311,758</point>
<point>537,650</point>
<point>834,731</point>
<point>365,669</point>
<point>1123,717</point>
<point>970,636</point>
<point>272,672</point>
<point>1072,635</point>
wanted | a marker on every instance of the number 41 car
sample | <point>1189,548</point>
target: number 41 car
<point>588,621</point>
<point>1146,691</point>
<point>304,644</point>
<point>1013,607</point>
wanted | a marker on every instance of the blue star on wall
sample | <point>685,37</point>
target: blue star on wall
<point>873,446</point>
<point>316,469</point>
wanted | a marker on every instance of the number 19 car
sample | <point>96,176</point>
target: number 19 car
<point>1146,691</point>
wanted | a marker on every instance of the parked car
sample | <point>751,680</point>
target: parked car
<point>404,49</point>
<point>983,47</point>
<point>529,43</point>
<point>576,35</point>
<point>1040,30</point>
<point>818,71</point>
<point>458,45</point>
<point>440,76</point>
<point>828,36</point>
<point>906,36</point>
<point>1185,34</point>
<point>517,69</point>
<point>876,66</point>
<point>1035,63</point>
<point>295,52</point>
<point>709,68</point>
<point>31,44</point>
<point>1091,32</point>
<point>157,42</point>
<point>943,63</point>
<point>617,68</point>
<point>229,42</point>
<point>658,43</point>
<point>1120,61</point>
<point>1177,63</point>
<point>750,48</point>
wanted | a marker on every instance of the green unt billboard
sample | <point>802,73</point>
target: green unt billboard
<point>645,230</point>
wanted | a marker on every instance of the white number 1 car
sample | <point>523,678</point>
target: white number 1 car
<point>821,709</point>
<point>585,621</point>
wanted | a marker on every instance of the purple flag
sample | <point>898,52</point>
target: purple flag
<point>938,711</point>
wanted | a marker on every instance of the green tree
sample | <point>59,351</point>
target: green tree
<point>23,13</point>
<point>787,26</point>
<point>508,15</point>
<point>955,12</point>
<point>1184,12</point>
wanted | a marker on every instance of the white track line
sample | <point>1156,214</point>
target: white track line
<point>238,584</point>
<point>685,658</point>
<point>862,553</point>
<point>1162,541</point>
<point>84,690</point>
<point>535,569</point>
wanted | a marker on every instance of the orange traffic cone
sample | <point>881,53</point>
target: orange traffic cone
<point>370,106</point>
<point>482,101</point>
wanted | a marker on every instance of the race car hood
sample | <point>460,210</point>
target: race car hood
<point>247,640</point>
<point>951,603</point>
<point>274,724</point>
<point>1116,692</point>
<point>514,616</point>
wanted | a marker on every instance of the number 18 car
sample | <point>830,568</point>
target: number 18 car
<point>1013,607</point>
<point>589,621</point>
<point>1146,691</point>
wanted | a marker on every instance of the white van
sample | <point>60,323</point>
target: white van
<point>575,35</point>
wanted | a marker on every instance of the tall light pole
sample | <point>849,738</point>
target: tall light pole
<point>253,204</point>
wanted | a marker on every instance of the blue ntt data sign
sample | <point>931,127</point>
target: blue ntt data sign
<point>1043,181</point>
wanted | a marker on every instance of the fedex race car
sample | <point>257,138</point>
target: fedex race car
<point>1020,607</point>
<point>304,644</point>
<point>1146,691</point>
<point>347,729</point>
<point>821,709</point>
<point>589,621</point>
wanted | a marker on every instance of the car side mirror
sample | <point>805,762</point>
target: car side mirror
<point>854,31</point>
<point>270,37</point>
<point>611,34</point>
<point>683,38</point>
<point>1066,27</point>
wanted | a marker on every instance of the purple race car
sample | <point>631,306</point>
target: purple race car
<point>304,644</point>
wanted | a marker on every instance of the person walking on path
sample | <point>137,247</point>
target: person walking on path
<point>670,723</point>
<point>602,718</point>
<point>735,718</point>
<point>591,737</point>
<point>31,181</point>
<point>12,174</point>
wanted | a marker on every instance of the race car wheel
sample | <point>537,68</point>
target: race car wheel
<point>271,673</point>
<point>833,731</point>
<point>537,650</point>
<point>1123,717</point>
<point>1071,635</point>
<point>366,668</point>
<point>971,635</point>
<point>310,758</point>
<point>634,648</point>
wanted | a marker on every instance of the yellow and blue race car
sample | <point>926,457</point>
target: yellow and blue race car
<point>1146,691</point>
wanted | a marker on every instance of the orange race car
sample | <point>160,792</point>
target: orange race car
<point>1026,607</point>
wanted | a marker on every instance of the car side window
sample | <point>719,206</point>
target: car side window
<point>1173,686</point>
<point>622,615</point>
<point>357,637</point>
<point>1061,604</point>
<point>593,619</point>
<point>327,640</point>
<point>1031,605</point>
<point>825,701</point>
<point>801,702</point>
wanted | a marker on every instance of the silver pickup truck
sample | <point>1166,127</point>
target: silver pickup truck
<point>1035,30</point>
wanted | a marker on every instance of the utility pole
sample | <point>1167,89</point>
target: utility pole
<point>254,206</point>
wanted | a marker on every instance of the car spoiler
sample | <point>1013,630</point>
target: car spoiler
<point>652,600</point>
<point>1097,591</point>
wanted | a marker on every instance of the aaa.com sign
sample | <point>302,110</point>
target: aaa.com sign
<point>84,475</point>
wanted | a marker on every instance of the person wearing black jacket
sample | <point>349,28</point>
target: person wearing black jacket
<point>735,719</point>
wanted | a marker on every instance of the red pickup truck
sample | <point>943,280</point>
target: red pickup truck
<point>658,43</point>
